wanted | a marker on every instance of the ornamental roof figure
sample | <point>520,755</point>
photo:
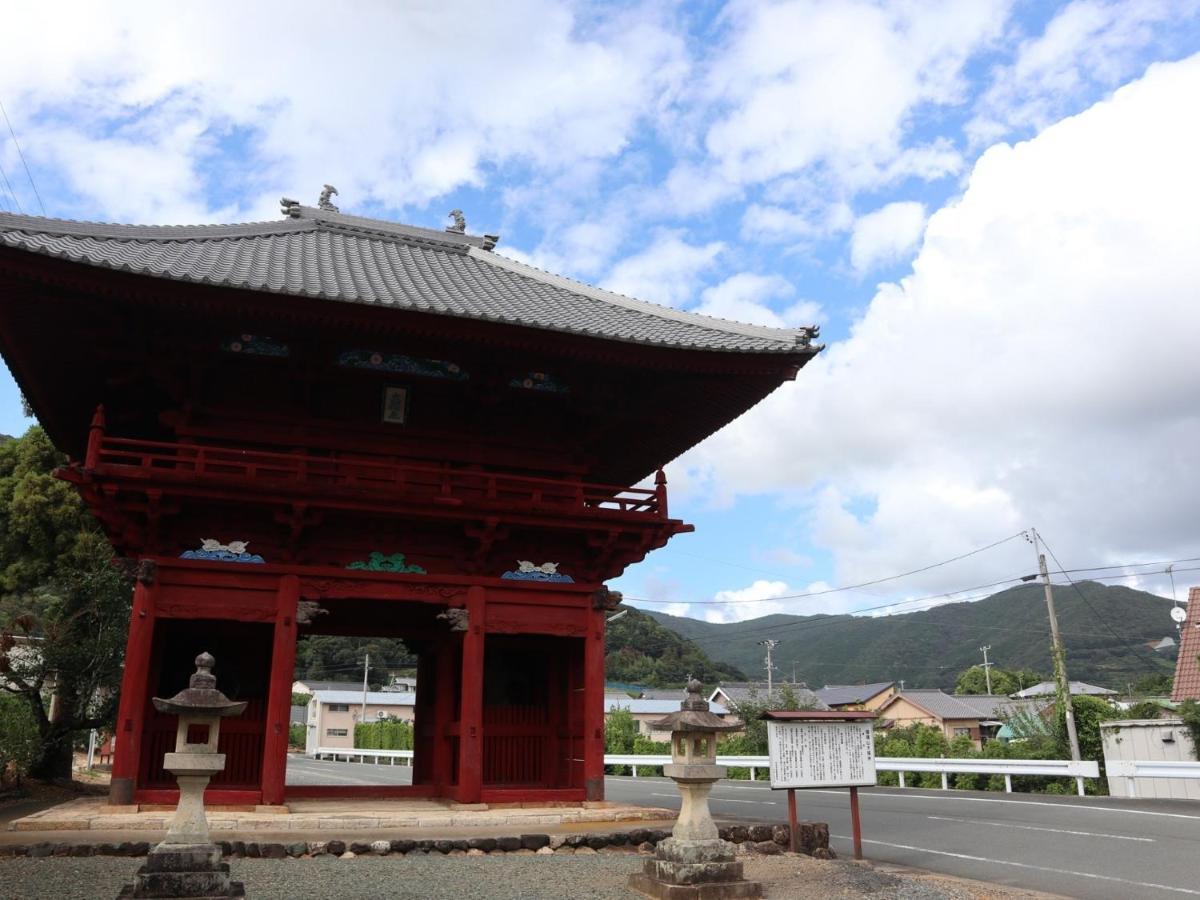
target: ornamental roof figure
<point>318,252</point>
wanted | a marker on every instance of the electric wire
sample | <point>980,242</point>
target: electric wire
<point>11,193</point>
<point>21,154</point>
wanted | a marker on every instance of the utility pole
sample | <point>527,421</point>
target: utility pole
<point>987,668</point>
<point>1060,665</point>
<point>366,665</point>
<point>770,645</point>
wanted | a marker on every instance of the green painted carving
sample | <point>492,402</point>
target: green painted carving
<point>378,562</point>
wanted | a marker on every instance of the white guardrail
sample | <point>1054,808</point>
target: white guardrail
<point>1136,768</point>
<point>357,755</point>
<point>1078,770</point>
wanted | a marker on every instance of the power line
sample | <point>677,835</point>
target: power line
<point>28,174</point>
<point>11,194</point>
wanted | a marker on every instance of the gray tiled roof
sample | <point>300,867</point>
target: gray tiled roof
<point>1046,688</point>
<point>843,694</point>
<point>657,707</point>
<point>963,706</point>
<point>739,691</point>
<point>332,256</point>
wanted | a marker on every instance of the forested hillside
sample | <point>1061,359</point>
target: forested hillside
<point>638,650</point>
<point>1105,632</point>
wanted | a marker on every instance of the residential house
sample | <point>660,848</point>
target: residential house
<point>1187,666</point>
<point>309,686</point>
<point>646,712</point>
<point>977,716</point>
<point>729,693</point>
<point>1050,688</point>
<point>856,696</point>
<point>332,715</point>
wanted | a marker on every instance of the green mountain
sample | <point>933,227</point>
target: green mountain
<point>638,650</point>
<point>1105,630</point>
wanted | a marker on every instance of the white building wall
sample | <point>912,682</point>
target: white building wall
<point>1150,740</point>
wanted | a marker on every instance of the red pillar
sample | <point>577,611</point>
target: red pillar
<point>134,688</point>
<point>444,707</point>
<point>593,707</point>
<point>279,694</point>
<point>470,717</point>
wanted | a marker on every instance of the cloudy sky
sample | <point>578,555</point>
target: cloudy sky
<point>991,209</point>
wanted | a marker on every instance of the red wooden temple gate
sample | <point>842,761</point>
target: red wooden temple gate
<point>337,425</point>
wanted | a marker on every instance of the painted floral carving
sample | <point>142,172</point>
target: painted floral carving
<point>379,562</point>
<point>234,551</point>
<point>405,365</point>
<point>255,345</point>
<point>539,381</point>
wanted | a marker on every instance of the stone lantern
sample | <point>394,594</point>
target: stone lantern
<point>187,863</point>
<point>694,861</point>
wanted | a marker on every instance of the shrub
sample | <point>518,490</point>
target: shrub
<point>20,745</point>
<point>385,734</point>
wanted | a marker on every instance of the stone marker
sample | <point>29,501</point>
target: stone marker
<point>694,862</point>
<point>187,863</point>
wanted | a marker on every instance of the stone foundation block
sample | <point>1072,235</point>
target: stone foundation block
<point>717,891</point>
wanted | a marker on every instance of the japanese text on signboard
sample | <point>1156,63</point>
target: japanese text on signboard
<point>821,754</point>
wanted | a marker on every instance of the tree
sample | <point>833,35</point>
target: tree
<point>753,741</point>
<point>1157,685</point>
<point>64,603</point>
<point>1004,681</point>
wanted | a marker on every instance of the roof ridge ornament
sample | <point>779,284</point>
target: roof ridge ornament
<point>323,202</point>
<point>289,207</point>
<point>460,222</point>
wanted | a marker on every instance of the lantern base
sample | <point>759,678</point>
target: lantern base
<point>694,870</point>
<point>192,871</point>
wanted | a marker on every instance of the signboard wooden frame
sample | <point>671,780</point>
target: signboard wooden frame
<point>822,749</point>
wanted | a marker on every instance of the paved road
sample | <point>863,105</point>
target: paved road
<point>1077,847</point>
<point>302,770</point>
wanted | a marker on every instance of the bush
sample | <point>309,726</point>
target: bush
<point>297,736</point>
<point>385,734</point>
<point>620,730</point>
<point>20,745</point>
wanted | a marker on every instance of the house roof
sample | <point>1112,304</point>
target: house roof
<point>959,706</point>
<point>844,694</point>
<point>329,255</point>
<point>374,698</point>
<point>656,707</point>
<point>330,685</point>
<point>739,691</point>
<point>1187,667</point>
<point>1046,688</point>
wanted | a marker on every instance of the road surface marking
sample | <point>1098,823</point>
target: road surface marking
<point>1069,807</point>
<point>1116,837</point>
<point>1005,862</point>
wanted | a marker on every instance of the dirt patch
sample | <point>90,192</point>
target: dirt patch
<point>803,878</point>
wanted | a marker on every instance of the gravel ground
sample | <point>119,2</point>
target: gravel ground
<point>500,877</point>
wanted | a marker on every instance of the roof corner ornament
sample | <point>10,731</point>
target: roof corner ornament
<point>490,241</point>
<point>323,202</point>
<point>808,334</point>
<point>289,207</point>
<point>460,222</point>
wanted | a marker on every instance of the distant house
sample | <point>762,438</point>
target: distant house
<point>1050,688</point>
<point>647,711</point>
<point>307,686</point>
<point>1187,667</point>
<point>1165,645</point>
<point>332,715</point>
<point>977,716</point>
<point>733,692</point>
<point>856,696</point>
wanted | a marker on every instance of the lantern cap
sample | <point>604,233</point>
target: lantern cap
<point>694,714</point>
<point>201,697</point>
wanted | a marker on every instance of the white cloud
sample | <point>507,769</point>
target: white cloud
<point>1037,367</point>
<point>745,297</point>
<point>1087,43</point>
<point>395,104</point>
<point>886,235</point>
<point>744,603</point>
<point>667,272</point>
<point>836,83</point>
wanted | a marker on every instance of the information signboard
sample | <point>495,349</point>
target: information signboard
<point>810,754</point>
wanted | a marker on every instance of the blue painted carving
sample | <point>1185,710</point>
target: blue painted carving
<point>378,562</point>
<point>540,381</point>
<point>527,571</point>
<point>215,551</point>
<point>255,345</point>
<point>398,362</point>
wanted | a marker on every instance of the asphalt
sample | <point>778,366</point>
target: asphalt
<point>1072,846</point>
<point>304,771</point>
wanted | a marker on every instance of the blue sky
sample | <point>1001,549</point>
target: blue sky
<point>989,208</point>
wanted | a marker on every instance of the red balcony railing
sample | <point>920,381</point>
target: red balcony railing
<point>378,479</point>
